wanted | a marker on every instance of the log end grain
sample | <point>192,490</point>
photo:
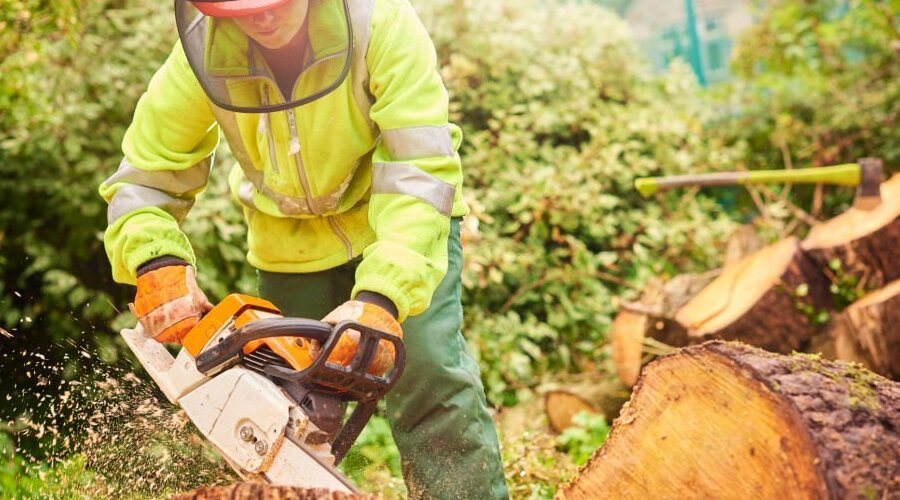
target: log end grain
<point>725,420</point>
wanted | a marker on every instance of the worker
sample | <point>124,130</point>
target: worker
<point>349,180</point>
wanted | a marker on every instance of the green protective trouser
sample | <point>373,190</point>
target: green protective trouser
<point>438,412</point>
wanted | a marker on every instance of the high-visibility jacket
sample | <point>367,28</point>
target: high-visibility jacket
<point>370,169</point>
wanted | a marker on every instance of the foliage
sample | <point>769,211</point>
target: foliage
<point>818,85</point>
<point>581,440</point>
<point>560,116</point>
<point>535,468</point>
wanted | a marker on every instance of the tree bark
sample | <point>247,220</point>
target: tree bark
<point>253,491</point>
<point>769,299</point>
<point>869,331</point>
<point>866,243</point>
<point>728,421</point>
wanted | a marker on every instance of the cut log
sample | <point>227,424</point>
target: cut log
<point>594,393</point>
<point>628,332</point>
<point>728,421</point>
<point>769,299</point>
<point>866,243</point>
<point>652,317</point>
<point>869,331</point>
<point>561,406</point>
<point>253,491</point>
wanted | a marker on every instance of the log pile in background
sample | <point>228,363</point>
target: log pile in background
<point>866,243</point>
<point>726,420</point>
<point>253,491</point>
<point>869,331</point>
<point>738,305</point>
<point>775,296</point>
<point>652,318</point>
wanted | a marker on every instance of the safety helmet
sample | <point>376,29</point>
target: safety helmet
<point>231,66</point>
<point>236,8</point>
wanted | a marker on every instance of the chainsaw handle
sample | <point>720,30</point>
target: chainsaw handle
<point>353,378</point>
<point>231,347</point>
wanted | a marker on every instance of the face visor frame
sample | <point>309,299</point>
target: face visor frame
<point>192,25</point>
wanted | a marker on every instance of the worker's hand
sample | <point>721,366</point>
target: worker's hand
<point>169,303</point>
<point>372,316</point>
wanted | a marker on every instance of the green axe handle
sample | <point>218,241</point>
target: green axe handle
<point>847,174</point>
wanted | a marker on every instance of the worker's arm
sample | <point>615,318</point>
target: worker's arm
<point>168,154</point>
<point>416,169</point>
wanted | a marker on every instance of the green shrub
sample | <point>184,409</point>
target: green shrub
<point>560,116</point>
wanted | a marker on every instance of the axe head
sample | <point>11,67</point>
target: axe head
<point>868,191</point>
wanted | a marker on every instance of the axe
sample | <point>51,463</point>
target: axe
<point>866,175</point>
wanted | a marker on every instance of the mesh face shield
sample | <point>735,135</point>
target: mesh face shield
<point>235,70</point>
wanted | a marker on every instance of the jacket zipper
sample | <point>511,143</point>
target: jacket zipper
<point>334,226</point>
<point>295,150</point>
<point>265,123</point>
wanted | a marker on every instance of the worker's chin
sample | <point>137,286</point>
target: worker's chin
<point>272,42</point>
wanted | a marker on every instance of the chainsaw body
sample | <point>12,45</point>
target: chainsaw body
<point>261,388</point>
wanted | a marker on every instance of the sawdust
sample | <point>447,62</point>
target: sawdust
<point>132,441</point>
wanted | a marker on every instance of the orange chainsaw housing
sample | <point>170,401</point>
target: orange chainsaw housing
<point>241,309</point>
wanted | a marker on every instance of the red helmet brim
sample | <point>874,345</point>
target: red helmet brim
<point>237,8</point>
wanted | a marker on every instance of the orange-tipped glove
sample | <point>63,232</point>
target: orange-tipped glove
<point>373,316</point>
<point>169,303</point>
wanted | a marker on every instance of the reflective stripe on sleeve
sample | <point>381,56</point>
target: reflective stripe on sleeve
<point>174,182</point>
<point>402,178</point>
<point>131,197</point>
<point>411,143</point>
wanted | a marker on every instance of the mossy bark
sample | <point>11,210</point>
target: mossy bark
<point>726,420</point>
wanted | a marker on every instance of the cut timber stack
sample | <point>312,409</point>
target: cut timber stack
<point>765,300</point>
<point>253,491</point>
<point>869,331</point>
<point>728,421</point>
<point>866,243</point>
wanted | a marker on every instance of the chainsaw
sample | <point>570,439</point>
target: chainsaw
<point>266,391</point>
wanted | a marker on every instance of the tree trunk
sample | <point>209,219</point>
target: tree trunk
<point>728,421</point>
<point>769,299</point>
<point>253,491</point>
<point>866,243</point>
<point>869,331</point>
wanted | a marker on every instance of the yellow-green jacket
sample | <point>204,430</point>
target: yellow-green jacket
<point>371,168</point>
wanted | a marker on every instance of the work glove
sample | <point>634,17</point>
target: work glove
<point>168,303</point>
<point>368,314</point>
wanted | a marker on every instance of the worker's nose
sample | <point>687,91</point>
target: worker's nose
<point>264,18</point>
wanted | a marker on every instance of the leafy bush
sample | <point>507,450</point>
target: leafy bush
<point>581,440</point>
<point>560,116</point>
<point>818,84</point>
